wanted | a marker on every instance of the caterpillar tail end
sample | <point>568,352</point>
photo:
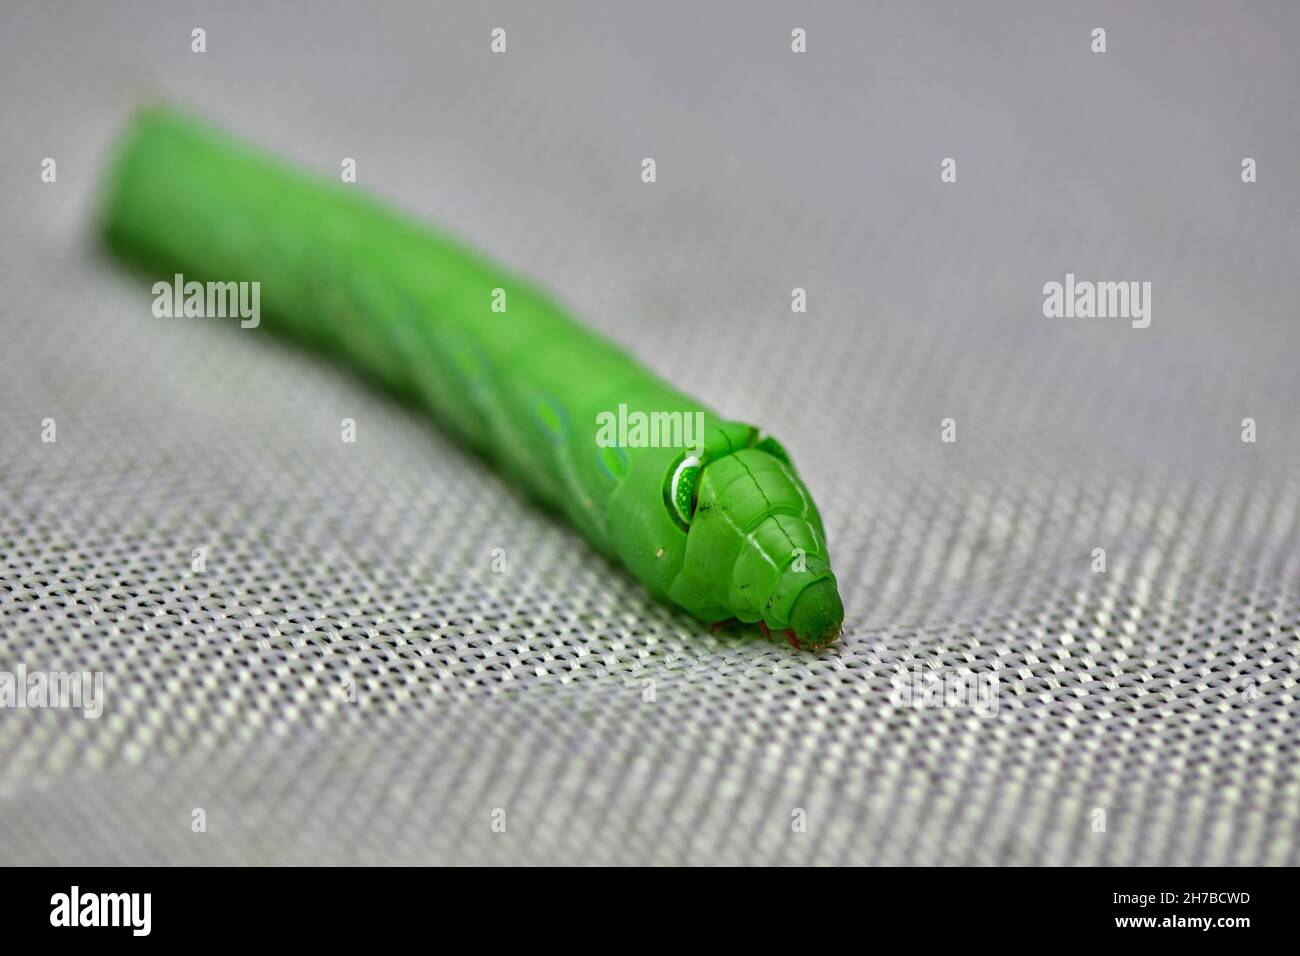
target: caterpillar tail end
<point>818,614</point>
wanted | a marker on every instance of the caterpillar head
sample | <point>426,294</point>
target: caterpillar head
<point>736,534</point>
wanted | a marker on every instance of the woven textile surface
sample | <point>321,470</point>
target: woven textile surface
<point>345,677</point>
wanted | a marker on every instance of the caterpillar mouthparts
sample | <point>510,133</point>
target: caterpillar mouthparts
<point>818,614</point>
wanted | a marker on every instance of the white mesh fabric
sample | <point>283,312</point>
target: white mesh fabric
<point>1162,692</point>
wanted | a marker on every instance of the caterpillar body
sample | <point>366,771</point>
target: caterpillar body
<point>719,524</point>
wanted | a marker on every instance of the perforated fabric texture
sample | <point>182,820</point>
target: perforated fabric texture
<point>346,679</point>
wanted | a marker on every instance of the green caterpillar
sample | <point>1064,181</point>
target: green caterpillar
<point>718,523</point>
